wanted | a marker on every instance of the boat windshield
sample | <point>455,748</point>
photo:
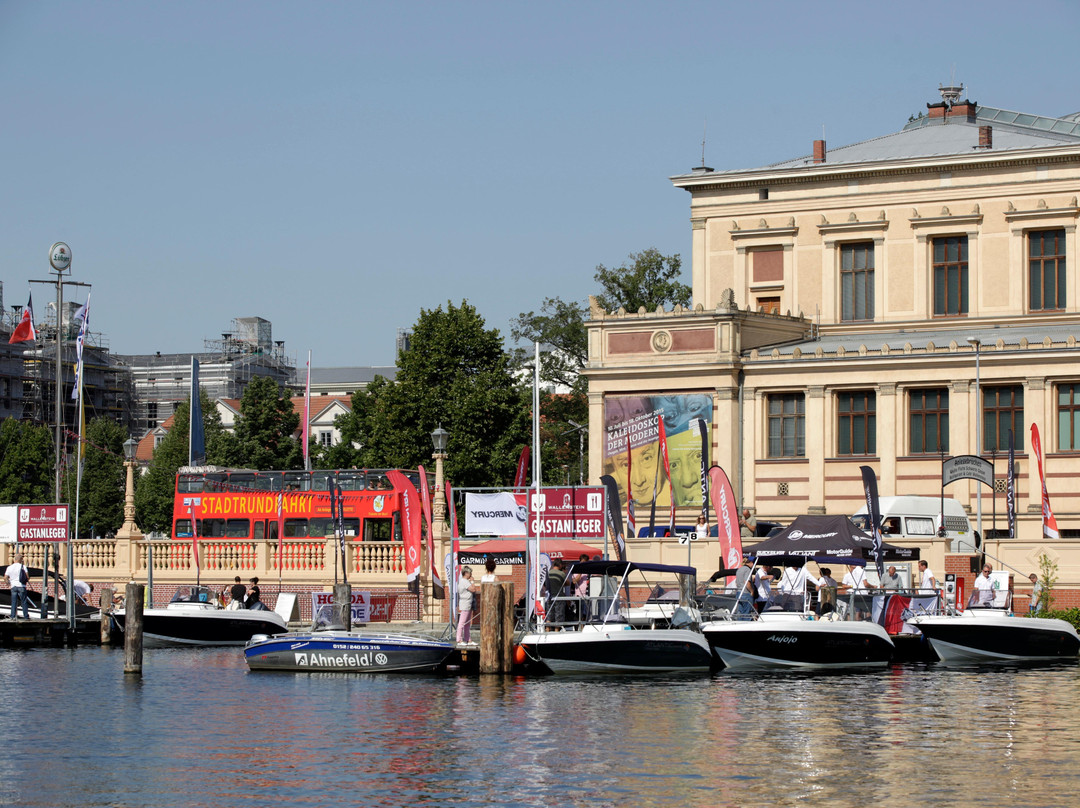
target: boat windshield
<point>193,594</point>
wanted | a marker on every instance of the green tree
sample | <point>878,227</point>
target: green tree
<point>26,463</point>
<point>1048,575</point>
<point>457,374</point>
<point>649,280</point>
<point>101,494</point>
<point>155,490</point>
<point>263,436</point>
<point>560,329</point>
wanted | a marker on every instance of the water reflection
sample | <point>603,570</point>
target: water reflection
<point>198,729</point>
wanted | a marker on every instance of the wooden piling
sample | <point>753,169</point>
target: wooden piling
<point>343,606</point>
<point>496,627</point>
<point>133,628</point>
<point>106,614</point>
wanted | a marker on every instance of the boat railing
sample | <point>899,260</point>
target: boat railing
<point>614,610</point>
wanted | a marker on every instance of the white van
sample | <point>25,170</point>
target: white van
<point>917,518</point>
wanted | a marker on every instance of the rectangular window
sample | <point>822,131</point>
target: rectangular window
<point>950,276</point>
<point>787,425</point>
<point>1068,417</point>
<point>857,281</point>
<point>856,423</point>
<point>929,413</point>
<point>151,413</point>
<point>1003,409</point>
<point>324,438</point>
<point>769,305</point>
<point>1046,269</point>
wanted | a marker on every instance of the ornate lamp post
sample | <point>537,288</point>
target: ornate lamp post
<point>438,505</point>
<point>129,530</point>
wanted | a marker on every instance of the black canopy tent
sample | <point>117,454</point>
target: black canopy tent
<point>833,538</point>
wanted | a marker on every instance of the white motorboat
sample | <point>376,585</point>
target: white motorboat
<point>194,617</point>
<point>996,635</point>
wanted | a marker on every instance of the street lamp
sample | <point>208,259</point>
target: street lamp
<point>129,530</point>
<point>438,506</point>
<point>976,343</point>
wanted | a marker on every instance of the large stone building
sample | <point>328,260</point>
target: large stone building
<point>844,304</point>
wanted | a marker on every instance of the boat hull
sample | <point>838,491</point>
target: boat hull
<point>217,627</point>
<point>619,650</point>
<point>995,636</point>
<point>347,652</point>
<point>798,644</point>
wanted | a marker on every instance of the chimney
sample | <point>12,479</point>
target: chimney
<point>963,109</point>
<point>986,137</point>
<point>819,151</point>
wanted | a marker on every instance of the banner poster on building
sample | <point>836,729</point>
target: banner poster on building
<point>637,416</point>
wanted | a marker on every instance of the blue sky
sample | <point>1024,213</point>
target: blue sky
<point>337,167</point>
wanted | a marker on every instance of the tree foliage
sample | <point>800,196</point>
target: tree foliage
<point>561,326</point>
<point>101,494</point>
<point>455,374</point>
<point>154,491</point>
<point>26,463</point>
<point>263,436</point>
<point>649,280</point>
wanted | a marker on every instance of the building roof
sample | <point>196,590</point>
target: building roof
<point>350,375</point>
<point>944,135</point>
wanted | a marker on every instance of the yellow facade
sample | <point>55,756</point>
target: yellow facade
<point>774,251</point>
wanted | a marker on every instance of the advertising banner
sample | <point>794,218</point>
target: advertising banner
<point>9,524</point>
<point>637,418</point>
<point>365,607</point>
<point>574,512</point>
<point>42,523</point>
<point>500,514</point>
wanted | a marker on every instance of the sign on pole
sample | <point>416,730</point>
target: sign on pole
<point>967,467</point>
<point>42,523</point>
<point>574,512</point>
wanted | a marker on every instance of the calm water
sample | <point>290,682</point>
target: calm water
<point>199,729</point>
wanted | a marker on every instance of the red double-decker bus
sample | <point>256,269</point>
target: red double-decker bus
<point>243,504</point>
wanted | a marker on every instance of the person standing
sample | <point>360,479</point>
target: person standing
<point>556,580</point>
<point>892,580</point>
<point>580,582</point>
<point>466,593</point>
<point>793,588</point>
<point>984,588</point>
<point>237,593</point>
<point>1036,595</point>
<point>826,585</point>
<point>17,578</point>
<point>254,595</point>
<point>763,586</point>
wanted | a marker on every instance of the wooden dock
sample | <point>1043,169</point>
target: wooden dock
<point>50,632</point>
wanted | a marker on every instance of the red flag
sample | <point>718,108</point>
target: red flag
<point>667,471</point>
<point>410,525</point>
<point>425,498</point>
<point>521,475</point>
<point>194,539</point>
<point>727,518</point>
<point>453,513</point>
<point>25,331</point>
<point>631,521</point>
<point>1050,526</point>
<point>280,529</point>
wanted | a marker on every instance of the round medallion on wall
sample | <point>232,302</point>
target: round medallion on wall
<point>661,341</point>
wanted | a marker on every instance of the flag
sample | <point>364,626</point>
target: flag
<point>727,518</point>
<point>699,426</point>
<point>280,529</point>
<point>1050,527</point>
<point>631,521</point>
<point>410,526</point>
<point>437,590</point>
<point>1010,487</point>
<point>667,472</point>
<point>305,429</point>
<point>521,474</point>
<point>83,313</point>
<point>25,331</point>
<point>453,512</point>
<point>873,512</point>
<point>194,539</point>
<point>196,433</point>
<point>335,490</point>
<point>614,508</point>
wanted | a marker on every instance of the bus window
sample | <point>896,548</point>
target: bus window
<point>320,526</point>
<point>182,529</point>
<point>237,529</point>
<point>268,481</point>
<point>272,531</point>
<point>352,480</point>
<point>211,528</point>
<point>242,479</point>
<point>214,482</point>
<point>378,529</point>
<point>189,484</point>
<point>297,481</point>
<point>379,482</point>
<point>296,528</point>
<point>259,529</point>
<point>320,480</point>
